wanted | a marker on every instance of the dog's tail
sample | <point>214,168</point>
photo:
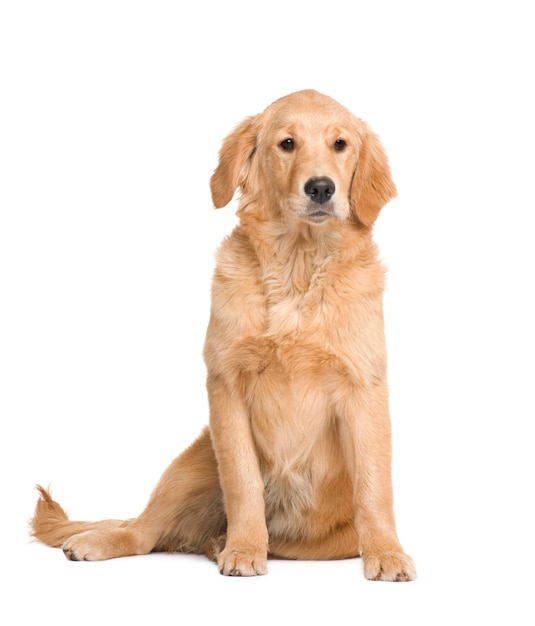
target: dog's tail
<point>51,525</point>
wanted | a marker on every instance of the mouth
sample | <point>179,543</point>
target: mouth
<point>317,215</point>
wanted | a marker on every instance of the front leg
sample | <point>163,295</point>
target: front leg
<point>367,441</point>
<point>245,551</point>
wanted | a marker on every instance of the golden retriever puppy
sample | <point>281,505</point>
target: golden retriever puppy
<point>296,461</point>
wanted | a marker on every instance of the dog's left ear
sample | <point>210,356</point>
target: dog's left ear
<point>234,157</point>
<point>372,185</point>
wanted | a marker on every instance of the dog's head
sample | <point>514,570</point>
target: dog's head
<point>307,158</point>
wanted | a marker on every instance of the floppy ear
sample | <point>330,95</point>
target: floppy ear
<point>372,185</point>
<point>233,165</point>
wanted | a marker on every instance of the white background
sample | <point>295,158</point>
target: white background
<point>112,114</point>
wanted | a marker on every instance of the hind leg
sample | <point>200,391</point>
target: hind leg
<point>184,512</point>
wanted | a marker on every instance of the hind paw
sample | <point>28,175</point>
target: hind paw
<point>98,545</point>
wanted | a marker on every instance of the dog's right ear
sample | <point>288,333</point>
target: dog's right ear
<point>234,159</point>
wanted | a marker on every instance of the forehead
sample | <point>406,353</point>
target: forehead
<point>308,113</point>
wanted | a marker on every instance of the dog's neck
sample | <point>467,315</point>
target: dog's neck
<point>299,261</point>
<point>285,241</point>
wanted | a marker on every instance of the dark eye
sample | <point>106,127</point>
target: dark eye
<point>339,145</point>
<point>287,144</point>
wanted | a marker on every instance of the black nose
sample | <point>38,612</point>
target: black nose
<point>320,189</point>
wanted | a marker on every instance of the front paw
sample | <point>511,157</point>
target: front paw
<point>390,566</point>
<point>242,561</point>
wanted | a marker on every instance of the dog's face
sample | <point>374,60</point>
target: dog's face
<point>309,159</point>
<point>308,152</point>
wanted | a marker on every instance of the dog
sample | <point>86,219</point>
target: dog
<point>296,460</point>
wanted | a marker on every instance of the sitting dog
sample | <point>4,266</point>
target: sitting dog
<point>296,461</point>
